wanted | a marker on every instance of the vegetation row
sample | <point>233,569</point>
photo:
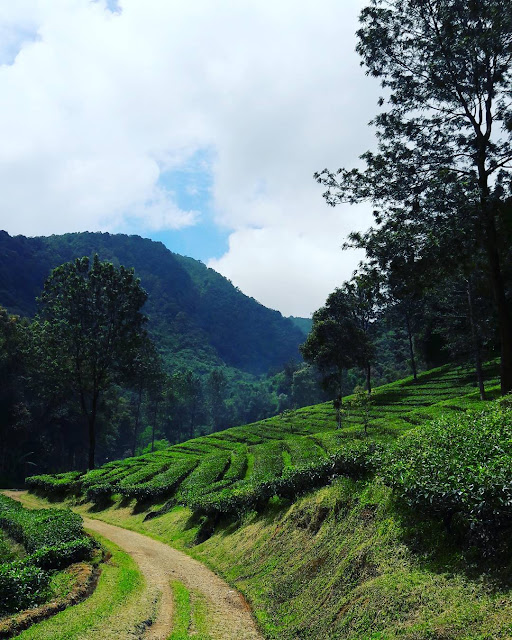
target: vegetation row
<point>52,539</point>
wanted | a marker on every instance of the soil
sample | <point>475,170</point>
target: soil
<point>229,617</point>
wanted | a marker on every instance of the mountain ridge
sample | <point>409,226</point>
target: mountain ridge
<point>198,317</point>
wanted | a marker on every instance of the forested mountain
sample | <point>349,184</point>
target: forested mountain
<point>198,318</point>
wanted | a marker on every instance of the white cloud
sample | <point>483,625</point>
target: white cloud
<point>95,105</point>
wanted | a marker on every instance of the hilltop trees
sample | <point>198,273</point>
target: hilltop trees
<point>446,68</point>
<point>91,315</point>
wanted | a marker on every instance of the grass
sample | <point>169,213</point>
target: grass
<point>117,607</point>
<point>182,612</point>
<point>190,620</point>
<point>265,448</point>
<point>9,549</point>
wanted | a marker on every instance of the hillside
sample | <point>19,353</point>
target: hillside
<point>198,317</point>
<point>296,515</point>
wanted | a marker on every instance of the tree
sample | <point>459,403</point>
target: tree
<point>446,68</point>
<point>15,418</point>
<point>363,292</point>
<point>216,390</point>
<point>93,313</point>
<point>335,344</point>
<point>186,400</point>
<point>145,375</point>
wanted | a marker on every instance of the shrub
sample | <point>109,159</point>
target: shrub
<point>22,587</point>
<point>458,464</point>
<point>210,469</point>
<point>40,527</point>
<point>61,484</point>
<point>59,556</point>
<point>54,539</point>
<point>164,483</point>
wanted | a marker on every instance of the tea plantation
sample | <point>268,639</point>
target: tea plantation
<point>403,532</point>
<point>48,540</point>
<point>232,471</point>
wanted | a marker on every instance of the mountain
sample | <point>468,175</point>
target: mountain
<point>304,324</point>
<point>198,318</point>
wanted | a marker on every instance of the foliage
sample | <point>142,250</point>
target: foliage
<point>336,342</point>
<point>444,141</point>
<point>40,528</point>
<point>361,402</point>
<point>354,460</point>
<point>53,539</point>
<point>22,588</point>
<point>457,465</point>
<point>90,318</point>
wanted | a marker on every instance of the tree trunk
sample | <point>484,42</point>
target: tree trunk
<point>476,342</point>
<point>339,401</point>
<point>368,377</point>
<point>411,347</point>
<point>90,416</point>
<point>502,310</point>
<point>154,426</point>
<point>137,419</point>
<point>92,440</point>
<point>488,213</point>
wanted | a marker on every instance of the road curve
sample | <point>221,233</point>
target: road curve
<point>229,617</point>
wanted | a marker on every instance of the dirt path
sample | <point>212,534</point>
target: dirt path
<point>229,617</point>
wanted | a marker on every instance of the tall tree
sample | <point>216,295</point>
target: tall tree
<point>216,391</point>
<point>335,343</point>
<point>446,68</point>
<point>144,375</point>
<point>365,298</point>
<point>92,311</point>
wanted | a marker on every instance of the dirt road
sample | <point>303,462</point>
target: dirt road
<point>228,616</point>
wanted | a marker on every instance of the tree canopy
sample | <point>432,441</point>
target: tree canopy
<point>91,313</point>
<point>445,135</point>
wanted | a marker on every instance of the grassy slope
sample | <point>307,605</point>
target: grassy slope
<point>345,561</point>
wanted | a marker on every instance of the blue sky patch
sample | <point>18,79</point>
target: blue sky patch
<point>192,189</point>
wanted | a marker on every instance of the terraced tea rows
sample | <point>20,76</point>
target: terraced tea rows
<point>277,449</point>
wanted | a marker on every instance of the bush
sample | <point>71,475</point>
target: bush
<point>22,587</point>
<point>39,527</point>
<point>459,464</point>
<point>54,539</point>
<point>164,483</point>
<point>61,556</point>
<point>210,469</point>
<point>61,485</point>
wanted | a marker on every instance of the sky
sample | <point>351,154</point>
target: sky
<point>195,123</point>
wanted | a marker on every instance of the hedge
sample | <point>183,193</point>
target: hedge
<point>355,460</point>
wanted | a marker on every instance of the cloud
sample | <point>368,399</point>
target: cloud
<point>102,101</point>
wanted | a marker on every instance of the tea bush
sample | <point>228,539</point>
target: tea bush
<point>458,464</point>
<point>210,469</point>
<point>53,539</point>
<point>163,484</point>
<point>354,460</point>
<point>61,484</point>
<point>21,588</point>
